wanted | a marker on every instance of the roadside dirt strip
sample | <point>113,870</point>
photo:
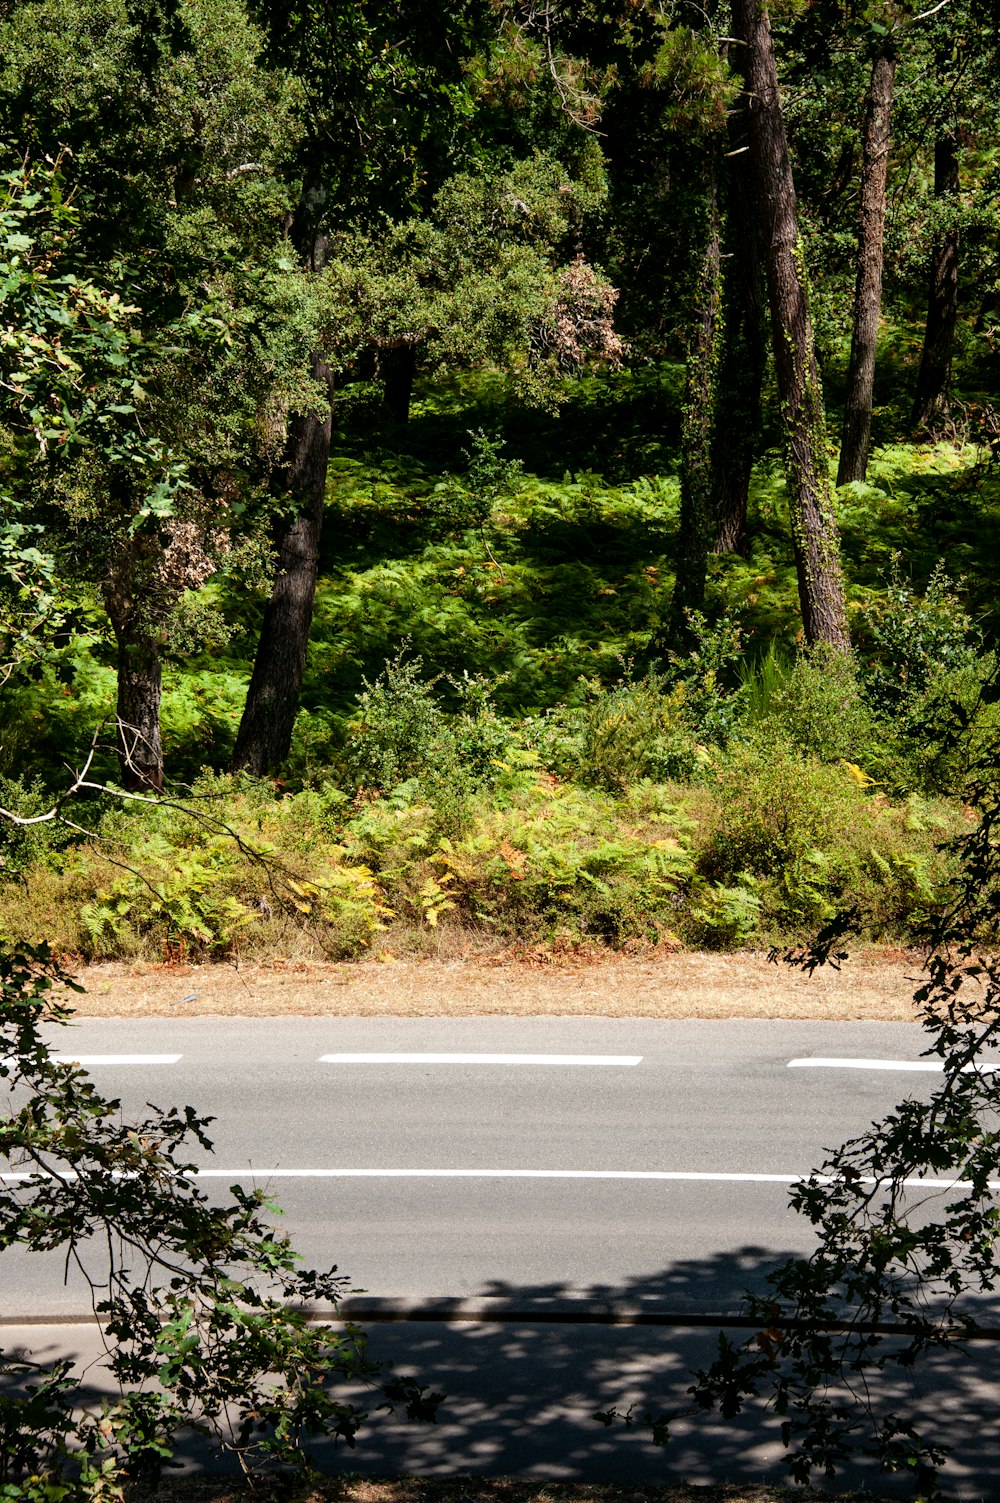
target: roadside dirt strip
<point>876,985</point>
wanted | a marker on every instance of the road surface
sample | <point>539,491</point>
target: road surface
<point>537,1165</point>
<point>405,1171</point>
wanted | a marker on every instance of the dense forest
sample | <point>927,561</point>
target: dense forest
<point>484,472</point>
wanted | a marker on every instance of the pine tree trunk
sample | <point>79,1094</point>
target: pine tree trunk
<point>817,555</point>
<point>696,516</point>
<point>742,357</point>
<point>265,733</point>
<point>857,430</point>
<point>137,726</point>
<point>930,404</point>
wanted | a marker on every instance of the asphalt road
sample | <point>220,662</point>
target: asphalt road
<point>589,1163</point>
<point>519,1179</point>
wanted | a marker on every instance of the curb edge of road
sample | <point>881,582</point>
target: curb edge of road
<point>499,1311</point>
<point>386,1310</point>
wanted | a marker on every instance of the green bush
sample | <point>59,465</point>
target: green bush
<point>559,861</point>
<point>916,641</point>
<point>184,899</point>
<point>816,704</point>
<point>655,727</point>
<point>769,841</point>
<point>635,730</point>
<point>236,871</point>
<point>925,673</point>
<point>402,732</point>
<point>24,845</point>
<point>809,839</point>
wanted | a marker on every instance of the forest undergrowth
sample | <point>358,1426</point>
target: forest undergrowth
<point>488,747</point>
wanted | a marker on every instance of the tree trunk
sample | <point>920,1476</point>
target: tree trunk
<point>930,404</point>
<point>265,732</point>
<point>742,357</point>
<point>699,424</point>
<point>137,725</point>
<point>817,556</point>
<point>399,366</point>
<point>857,429</point>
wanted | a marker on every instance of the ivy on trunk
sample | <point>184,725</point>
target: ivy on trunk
<point>857,429</point>
<point>817,553</point>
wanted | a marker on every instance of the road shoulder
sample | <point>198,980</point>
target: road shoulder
<point>874,985</point>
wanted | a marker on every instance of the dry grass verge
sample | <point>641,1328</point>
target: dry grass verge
<point>873,985</point>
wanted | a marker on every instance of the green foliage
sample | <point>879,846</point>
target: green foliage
<point>632,731</point>
<point>202,1314</point>
<point>561,580</point>
<point>402,733</point>
<point>241,863</point>
<point>921,661</point>
<point>917,642</point>
<point>880,1260</point>
<point>658,727</point>
<point>186,327</point>
<point>487,277</point>
<point>530,606</point>
<point>471,499</point>
<point>71,367</point>
<point>26,844</point>
<point>805,839</point>
<point>819,704</point>
<point>770,840</point>
<point>181,899</point>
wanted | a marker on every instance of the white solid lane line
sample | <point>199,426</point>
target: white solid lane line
<point>666,1175</point>
<point>628,1061</point>
<point>619,1174</point>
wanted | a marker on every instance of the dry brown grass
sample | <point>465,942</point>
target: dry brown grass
<point>875,985</point>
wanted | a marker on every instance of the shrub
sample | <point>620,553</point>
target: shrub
<point>916,641</point>
<point>469,500</point>
<point>770,840</point>
<point>402,732</point>
<point>817,704</point>
<point>22,845</point>
<point>655,727</point>
<point>925,674</point>
<point>241,871</point>
<point>632,731</point>
<point>808,839</point>
<point>558,860</point>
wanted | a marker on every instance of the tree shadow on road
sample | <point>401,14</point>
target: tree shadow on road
<point>522,1393</point>
<point>523,1385</point>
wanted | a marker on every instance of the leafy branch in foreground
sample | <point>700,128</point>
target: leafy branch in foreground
<point>203,1308</point>
<point>907,1220</point>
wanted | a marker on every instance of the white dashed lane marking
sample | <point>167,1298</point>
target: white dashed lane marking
<point>923,1066</point>
<point>627,1061</point>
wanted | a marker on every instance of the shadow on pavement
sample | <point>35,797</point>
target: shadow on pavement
<point>521,1392</point>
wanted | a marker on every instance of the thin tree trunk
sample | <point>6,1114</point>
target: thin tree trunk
<point>817,555</point>
<point>742,357</point>
<point>265,732</point>
<point>930,404</point>
<point>696,516</point>
<point>137,727</point>
<point>857,430</point>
